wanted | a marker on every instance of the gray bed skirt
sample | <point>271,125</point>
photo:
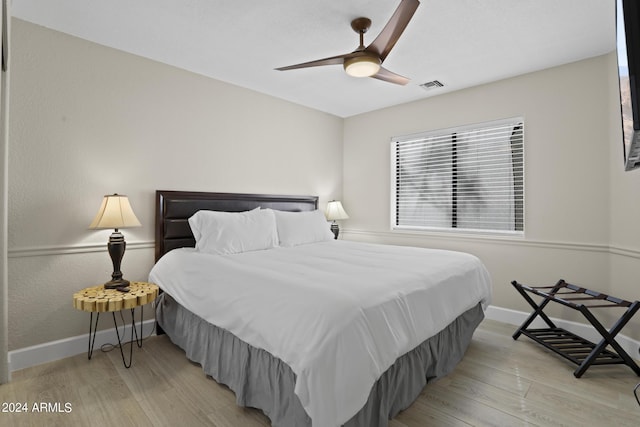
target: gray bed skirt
<point>260,380</point>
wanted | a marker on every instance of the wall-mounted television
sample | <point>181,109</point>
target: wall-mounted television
<point>628,50</point>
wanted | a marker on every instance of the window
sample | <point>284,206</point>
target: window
<point>467,178</point>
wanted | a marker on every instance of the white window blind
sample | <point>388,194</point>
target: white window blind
<point>467,178</point>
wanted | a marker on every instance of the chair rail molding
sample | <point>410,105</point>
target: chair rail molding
<point>410,236</point>
<point>72,249</point>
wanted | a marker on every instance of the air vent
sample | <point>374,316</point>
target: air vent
<point>431,85</point>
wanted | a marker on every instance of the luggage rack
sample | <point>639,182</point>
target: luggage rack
<point>574,348</point>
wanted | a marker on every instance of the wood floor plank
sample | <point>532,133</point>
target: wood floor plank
<point>582,413</point>
<point>74,393</point>
<point>232,416</point>
<point>529,360</point>
<point>547,412</point>
<point>507,382</point>
<point>421,415</point>
<point>188,376</point>
<point>449,401</point>
<point>159,398</point>
<point>500,382</point>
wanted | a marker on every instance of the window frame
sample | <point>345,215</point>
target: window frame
<point>441,133</point>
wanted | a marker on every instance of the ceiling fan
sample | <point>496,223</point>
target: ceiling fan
<point>367,61</point>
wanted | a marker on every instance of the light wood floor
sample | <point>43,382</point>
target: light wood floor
<point>500,382</point>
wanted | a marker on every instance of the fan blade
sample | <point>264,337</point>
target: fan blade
<point>391,32</point>
<point>390,77</point>
<point>333,60</point>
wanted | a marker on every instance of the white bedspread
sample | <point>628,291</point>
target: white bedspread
<point>338,313</point>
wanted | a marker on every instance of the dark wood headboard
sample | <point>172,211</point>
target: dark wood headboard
<point>173,209</point>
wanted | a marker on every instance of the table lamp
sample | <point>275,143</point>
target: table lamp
<point>115,212</point>
<point>334,212</point>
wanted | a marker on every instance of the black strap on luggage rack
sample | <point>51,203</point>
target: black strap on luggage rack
<point>576,349</point>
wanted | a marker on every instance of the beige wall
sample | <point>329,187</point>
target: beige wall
<point>578,202</point>
<point>87,120</point>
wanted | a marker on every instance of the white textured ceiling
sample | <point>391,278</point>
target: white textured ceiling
<point>461,43</point>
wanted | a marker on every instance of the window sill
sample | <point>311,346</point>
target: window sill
<point>461,233</point>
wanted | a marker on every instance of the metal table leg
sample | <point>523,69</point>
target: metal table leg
<point>93,327</point>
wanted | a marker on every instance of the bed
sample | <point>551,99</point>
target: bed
<point>324,333</point>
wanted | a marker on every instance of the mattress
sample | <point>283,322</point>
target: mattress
<point>338,313</point>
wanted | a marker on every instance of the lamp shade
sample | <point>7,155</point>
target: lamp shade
<point>335,211</point>
<point>115,212</point>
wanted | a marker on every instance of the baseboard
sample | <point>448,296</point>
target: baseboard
<point>67,347</point>
<point>516,318</point>
<point>60,349</point>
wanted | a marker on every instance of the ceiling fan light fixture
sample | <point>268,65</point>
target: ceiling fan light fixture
<point>366,61</point>
<point>362,66</point>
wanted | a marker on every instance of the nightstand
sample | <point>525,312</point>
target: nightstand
<point>98,300</point>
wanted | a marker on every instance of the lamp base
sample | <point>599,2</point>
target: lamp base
<point>116,247</point>
<point>335,229</point>
<point>119,284</point>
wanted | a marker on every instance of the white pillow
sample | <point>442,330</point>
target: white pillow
<point>298,228</point>
<point>234,232</point>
